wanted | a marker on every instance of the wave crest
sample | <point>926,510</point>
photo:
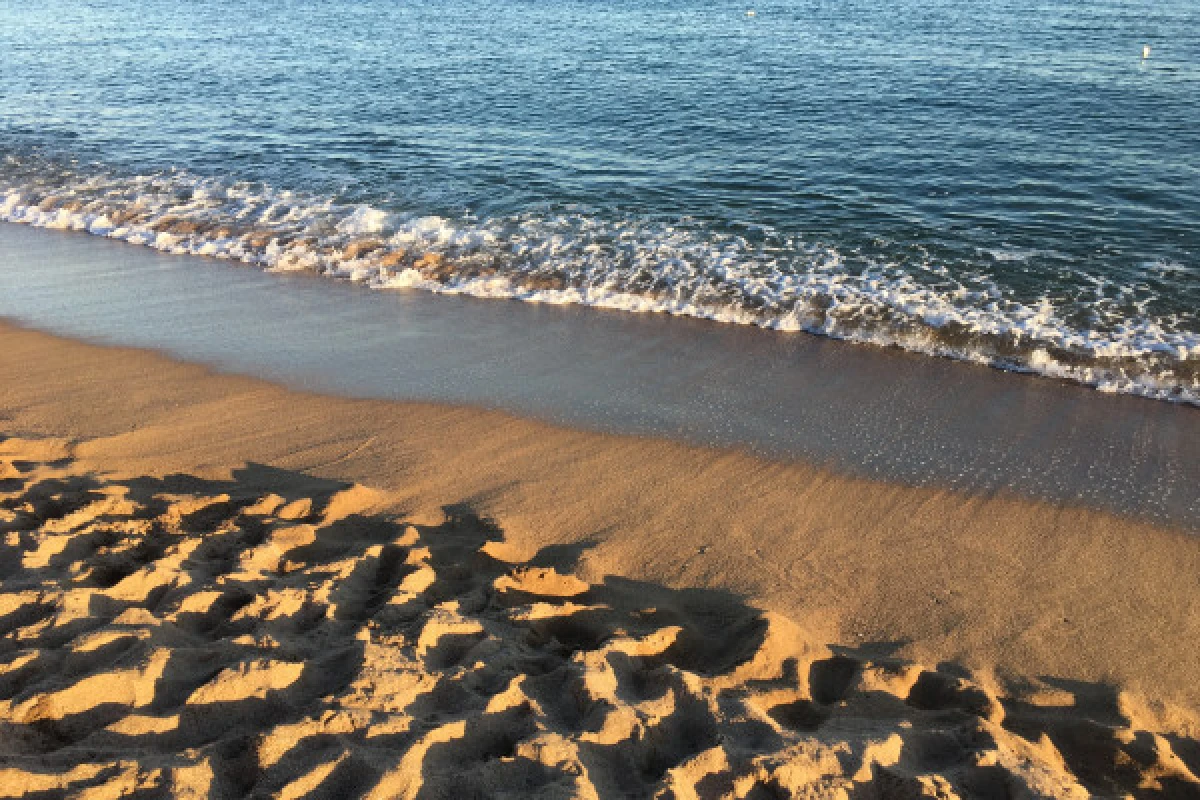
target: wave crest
<point>749,275</point>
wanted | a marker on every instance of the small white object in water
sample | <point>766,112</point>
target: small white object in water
<point>752,13</point>
<point>1145,51</point>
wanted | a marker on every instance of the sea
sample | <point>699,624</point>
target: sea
<point>1013,183</point>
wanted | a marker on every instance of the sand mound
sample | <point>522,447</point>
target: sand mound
<point>278,635</point>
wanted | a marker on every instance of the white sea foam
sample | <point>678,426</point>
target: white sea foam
<point>637,265</point>
<point>362,221</point>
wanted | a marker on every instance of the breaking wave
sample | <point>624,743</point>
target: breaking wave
<point>745,274</point>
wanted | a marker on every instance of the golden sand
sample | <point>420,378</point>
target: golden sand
<point>211,586</point>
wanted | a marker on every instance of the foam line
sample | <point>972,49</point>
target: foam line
<point>631,264</point>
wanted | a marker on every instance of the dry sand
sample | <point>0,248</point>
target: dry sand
<point>213,587</point>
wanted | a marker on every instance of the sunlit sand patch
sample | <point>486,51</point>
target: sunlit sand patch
<point>276,635</point>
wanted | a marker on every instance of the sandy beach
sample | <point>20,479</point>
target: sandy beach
<point>679,401</point>
<point>215,587</point>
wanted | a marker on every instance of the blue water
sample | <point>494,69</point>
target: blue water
<point>1006,182</point>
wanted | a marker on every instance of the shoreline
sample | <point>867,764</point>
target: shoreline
<point>410,253</point>
<point>863,626</point>
<point>863,411</point>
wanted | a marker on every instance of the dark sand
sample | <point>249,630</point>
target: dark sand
<point>860,410</point>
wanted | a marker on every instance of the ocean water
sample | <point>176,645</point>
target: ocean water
<point>1008,182</point>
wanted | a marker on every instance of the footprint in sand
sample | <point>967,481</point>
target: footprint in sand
<point>277,635</point>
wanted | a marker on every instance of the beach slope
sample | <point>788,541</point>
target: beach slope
<point>211,586</point>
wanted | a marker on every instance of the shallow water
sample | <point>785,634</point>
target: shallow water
<point>865,411</point>
<point>1008,183</point>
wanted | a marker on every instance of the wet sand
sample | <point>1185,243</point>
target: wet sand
<point>859,410</point>
<point>412,599</point>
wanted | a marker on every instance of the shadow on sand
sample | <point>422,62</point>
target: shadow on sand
<point>280,635</point>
